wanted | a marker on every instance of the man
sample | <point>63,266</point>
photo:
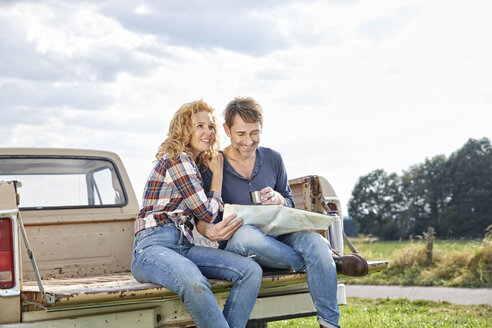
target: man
<point>249,167</point>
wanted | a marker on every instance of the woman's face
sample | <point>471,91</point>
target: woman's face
<point>203,135</point>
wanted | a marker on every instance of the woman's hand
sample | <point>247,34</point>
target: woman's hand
<point>216,164</point>
<point>271,197</point>
<point>220,231</point>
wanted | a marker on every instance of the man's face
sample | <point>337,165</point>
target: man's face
<point>245,137</point>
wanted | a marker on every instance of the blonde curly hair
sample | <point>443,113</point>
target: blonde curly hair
<point>180,130</point>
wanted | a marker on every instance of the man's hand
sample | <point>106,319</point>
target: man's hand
<point>220,231</point>
<point>271,197</point>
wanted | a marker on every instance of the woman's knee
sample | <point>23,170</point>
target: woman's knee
<point>254,269</point>
<point>251,272</point>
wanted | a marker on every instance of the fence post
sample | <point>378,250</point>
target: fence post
<point>430,243</point>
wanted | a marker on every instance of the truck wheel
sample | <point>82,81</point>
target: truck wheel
<point>257,324</point>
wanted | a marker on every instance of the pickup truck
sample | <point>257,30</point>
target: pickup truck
<point>66,234</point>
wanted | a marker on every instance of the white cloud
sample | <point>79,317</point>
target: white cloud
<point>231,25</point>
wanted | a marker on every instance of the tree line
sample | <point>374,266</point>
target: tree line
<point>453,195</point>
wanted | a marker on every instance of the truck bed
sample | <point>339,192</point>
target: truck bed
<point>120,294</point>
<point>120,289</point>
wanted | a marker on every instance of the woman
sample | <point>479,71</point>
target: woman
<point>163,251</point>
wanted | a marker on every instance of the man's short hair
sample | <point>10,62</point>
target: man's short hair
<point>249,110</point>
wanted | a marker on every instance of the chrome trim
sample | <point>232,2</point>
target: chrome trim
<point>336,227</point>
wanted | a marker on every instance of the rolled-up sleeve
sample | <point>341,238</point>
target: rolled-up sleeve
<point>282,185</point>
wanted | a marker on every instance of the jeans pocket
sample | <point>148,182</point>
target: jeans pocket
<point>138,249</point>
<point>143,234</point>
<point>165,235</point>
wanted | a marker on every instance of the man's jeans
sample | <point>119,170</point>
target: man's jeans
<point>162,255</point>
<point>297,250</point>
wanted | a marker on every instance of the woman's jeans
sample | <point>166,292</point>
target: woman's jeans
<point>297,250</point>
<point>162,255</point>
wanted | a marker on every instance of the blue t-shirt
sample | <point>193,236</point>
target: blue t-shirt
<point>269,171</point>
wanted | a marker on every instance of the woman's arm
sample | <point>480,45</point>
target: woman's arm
<point>183,175</point>
<point>225,228</point>
<point>220,231</point>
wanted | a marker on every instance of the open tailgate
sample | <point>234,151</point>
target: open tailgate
<point>122,289</point>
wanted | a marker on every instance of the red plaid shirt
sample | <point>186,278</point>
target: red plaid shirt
<point>174,193</point>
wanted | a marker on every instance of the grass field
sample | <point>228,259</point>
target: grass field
<point>383,250</point>
<point>386,313</point>
<point>456,263</point>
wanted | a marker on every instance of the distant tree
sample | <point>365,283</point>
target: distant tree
<point>350,227</point>
<point>375,204</point>
<point>469,185</point>
<point>365,205</point>
<point>424,188</point>
<point>452,195</point>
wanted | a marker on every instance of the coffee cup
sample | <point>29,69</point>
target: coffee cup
<point>255,196</point>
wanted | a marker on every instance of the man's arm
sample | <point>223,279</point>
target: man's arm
<point>282,188</point>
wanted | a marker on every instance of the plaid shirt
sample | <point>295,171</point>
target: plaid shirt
<point>174,193</point>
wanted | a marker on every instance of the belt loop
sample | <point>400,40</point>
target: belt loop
<point>183,233</point>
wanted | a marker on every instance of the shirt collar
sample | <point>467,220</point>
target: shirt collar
<point>258,162</point>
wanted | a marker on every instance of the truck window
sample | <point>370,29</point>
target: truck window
<point>51,182</point>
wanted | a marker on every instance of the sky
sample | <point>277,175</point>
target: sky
<point>347,86</point>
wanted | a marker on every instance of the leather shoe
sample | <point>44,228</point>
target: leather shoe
<point>351,265</point>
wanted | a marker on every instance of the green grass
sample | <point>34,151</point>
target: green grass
<point>384,250</point>
<point>463,263</point>
<point>455,263</point>
<point>385,313</point>
<point>377,250</point>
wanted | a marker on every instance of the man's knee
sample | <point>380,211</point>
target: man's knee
<point>309,242</point>
<point>248,241</point>
<point>246,235</point>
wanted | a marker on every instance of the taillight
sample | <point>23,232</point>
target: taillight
<point>6,254</point>
<point>333,207</point>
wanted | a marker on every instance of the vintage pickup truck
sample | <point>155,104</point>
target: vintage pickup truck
<point>66,234</point>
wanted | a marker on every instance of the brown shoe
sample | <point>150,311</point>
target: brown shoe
<point>351,265</point>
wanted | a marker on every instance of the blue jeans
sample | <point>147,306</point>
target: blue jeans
<point>162,255</point>
<point>302,250</point>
